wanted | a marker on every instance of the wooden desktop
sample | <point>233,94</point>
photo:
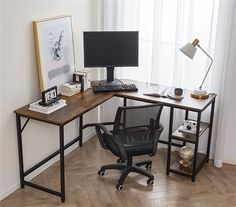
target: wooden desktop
<point>83,102</point>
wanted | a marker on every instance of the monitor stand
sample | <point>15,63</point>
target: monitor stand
<point>110,78</point>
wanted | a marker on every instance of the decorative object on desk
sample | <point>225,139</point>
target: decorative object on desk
<point>186,154</point>
<point>178,91</point>
<point>190,50</point>
<point>35,106</point>
<point>54,51</point>
<point>83,76</point>
<point>172,95</point>
<point>189,126</point>
<point>71,88</point>
<point>49,96</point>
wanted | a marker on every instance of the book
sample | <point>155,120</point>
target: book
<point>84,75</point>
<point>71,88</point>
<point>35,106</point>
<point>158,91</point>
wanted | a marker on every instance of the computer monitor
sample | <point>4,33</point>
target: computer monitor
<point>111,49</point>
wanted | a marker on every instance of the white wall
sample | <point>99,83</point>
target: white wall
<point>1,81</point>
<point>19,80</point>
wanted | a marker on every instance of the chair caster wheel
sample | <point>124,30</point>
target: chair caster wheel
<point>101,172</point>
<point>150,182</point>
<point>119,187</point>
<point>148,166</point>
<point>120,161</point>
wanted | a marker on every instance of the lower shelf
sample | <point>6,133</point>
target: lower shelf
<point>175,166</point>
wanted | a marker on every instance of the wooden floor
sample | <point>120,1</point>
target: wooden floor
<point>84,188</point>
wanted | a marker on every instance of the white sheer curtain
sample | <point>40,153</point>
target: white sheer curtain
<point>223,81</point>
<point>164,26</point>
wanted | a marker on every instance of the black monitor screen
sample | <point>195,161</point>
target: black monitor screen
<point>111,49</point>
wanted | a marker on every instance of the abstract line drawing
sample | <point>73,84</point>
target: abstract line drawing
<point>58,48</point>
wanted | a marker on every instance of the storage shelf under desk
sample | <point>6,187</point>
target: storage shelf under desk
<point>175,166</point>
<point>187,137</point>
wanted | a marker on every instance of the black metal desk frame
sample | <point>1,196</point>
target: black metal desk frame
<point>62,147</point>
<point>196,166</point>
<point>79,139</point>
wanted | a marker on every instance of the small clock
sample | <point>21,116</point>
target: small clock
<point>49,96</point>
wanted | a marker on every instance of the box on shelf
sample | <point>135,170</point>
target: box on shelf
<point>35,106</point>
<point>84,77</point>
<point>71,88</point>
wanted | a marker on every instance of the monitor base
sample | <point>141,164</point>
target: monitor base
<point>110,78</point>
<point>114,82</point>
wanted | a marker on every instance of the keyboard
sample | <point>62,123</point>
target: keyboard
<point>109,88</point>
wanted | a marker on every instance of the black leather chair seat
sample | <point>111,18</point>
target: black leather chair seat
<point>136,149</point>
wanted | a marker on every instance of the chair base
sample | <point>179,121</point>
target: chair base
<point>128,167</point>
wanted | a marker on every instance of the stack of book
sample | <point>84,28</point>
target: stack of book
<point>35,106</point>
<point>71,88</point>
<point>84,75</point>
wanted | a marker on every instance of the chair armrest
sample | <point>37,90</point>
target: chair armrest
<point>108,123</point>
<point>104,129</point>
<point>99,128</point>
<point>156,137</point>
<point>115,138</point>
<point>160,128</point>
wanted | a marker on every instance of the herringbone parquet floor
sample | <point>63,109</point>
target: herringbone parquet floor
<point>84,188</point>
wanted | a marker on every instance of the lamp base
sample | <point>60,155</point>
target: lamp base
<point>200,94</point>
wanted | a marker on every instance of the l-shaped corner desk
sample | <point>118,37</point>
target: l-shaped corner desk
<point>83,102</point>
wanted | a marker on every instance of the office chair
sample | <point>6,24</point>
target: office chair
<point>136,131</point>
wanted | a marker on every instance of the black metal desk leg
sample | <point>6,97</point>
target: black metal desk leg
<point>81,130</point>
<point>62,166</point>
<point>169,140</point>
<point>210,129</point>
<point>186,114</point>
<point>125,102</point>
<point>186,118</point>
<point>20,151</point>
<point>196,147</point>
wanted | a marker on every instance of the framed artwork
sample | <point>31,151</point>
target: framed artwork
<point>54,51</point>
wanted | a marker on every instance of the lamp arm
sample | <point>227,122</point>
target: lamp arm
<point>208,67</point>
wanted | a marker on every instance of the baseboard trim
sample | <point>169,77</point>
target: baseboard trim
<point>219,163</point>
<point>229,161</point>
<point>16,186</point>
<point>10,191</point>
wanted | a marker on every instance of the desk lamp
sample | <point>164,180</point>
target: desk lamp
<point>190,50</point>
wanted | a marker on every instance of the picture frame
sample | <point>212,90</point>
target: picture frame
<point>54,51</point>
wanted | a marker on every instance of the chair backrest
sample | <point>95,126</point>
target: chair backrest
<point>134,117</point>
<point>132,124</point>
